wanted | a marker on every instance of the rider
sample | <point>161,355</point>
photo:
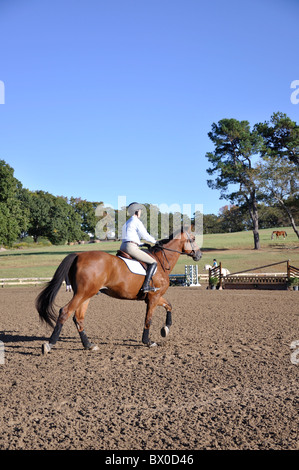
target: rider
<point>132,232</point>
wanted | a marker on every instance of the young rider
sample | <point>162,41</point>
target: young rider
<point>133,232</point>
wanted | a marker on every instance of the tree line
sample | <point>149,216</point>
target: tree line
<point>256,170</point>
<point>39,214</point>
<point>232,218</point>
<point>258,165</point>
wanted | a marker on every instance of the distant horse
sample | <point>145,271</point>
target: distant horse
<point>224,271</point>
<point>97,271</point>
<point>278,234</point>
<point>207,267</point>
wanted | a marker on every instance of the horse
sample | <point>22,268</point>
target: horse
<point>224,271</point>
<point>278,234</point>
<point>98,271</point>
<point>207,267</point>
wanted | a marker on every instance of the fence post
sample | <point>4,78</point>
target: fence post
<point>220,276</point>
<point>288,269</point>
<point>186,274</point>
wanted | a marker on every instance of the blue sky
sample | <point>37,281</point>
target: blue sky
<point>108,98</point>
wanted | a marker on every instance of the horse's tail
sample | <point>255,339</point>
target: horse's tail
<point>272,235</point>
<point>45,300</point>
<point>286,234</point>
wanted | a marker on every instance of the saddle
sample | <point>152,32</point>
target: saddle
<point>136,267</point>
<point>123,254</point>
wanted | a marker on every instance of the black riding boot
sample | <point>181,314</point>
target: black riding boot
<point>149,274</point>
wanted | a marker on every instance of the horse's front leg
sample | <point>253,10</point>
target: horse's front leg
<point>165,329</point>
<point>151,305</point>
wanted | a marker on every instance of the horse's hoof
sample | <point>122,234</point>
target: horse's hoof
<point>151,344</point>
<point>92,347</point>
<point>164,331</point>
<point>46,348</point>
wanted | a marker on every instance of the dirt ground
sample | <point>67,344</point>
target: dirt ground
<point>223,379</point>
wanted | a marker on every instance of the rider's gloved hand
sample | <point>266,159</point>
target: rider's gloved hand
<point>146,245</point>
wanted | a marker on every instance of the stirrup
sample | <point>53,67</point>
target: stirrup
<point>146,289</point>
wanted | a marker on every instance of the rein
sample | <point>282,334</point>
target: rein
<point>176,251</point>
<point>163,248</point>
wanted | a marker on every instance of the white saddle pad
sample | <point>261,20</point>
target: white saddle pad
<point>134,266</point>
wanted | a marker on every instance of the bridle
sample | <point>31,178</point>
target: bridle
<point>192,253</point>
<point>163,248</point>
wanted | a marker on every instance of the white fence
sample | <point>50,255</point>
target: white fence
<point>35,281</point>
<point>190,278</point>
<point>17,281</point>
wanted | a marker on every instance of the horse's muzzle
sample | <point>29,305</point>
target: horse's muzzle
<point>197,255</point>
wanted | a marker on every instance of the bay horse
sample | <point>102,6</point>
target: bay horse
<point>98,271</point>
<point>278,234</point>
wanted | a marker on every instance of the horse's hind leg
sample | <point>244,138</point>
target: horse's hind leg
<point>64,314</point>
<point>46,347</point>
<point>79,322</point>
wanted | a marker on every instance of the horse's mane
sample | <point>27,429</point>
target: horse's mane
<point>172,236</point>
<point>164,241</point>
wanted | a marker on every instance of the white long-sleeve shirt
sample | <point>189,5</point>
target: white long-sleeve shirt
<point>134,231</point>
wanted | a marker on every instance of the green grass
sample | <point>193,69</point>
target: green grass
<point>234,250</point>
<point>244,240</point>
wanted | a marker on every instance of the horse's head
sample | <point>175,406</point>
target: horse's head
<point>207,267</point>
<point>182,242</point>
<point>189,245</point>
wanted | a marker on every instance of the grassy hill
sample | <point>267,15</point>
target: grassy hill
<point>234,250</point>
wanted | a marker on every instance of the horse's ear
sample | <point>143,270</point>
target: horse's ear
<point>189,228</point>
<point>186,228</point>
